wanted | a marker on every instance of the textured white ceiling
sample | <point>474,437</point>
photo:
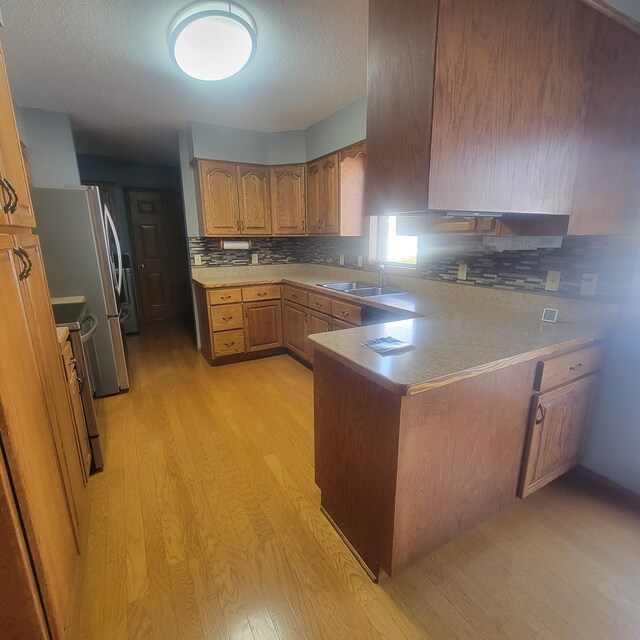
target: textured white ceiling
<point>106,63</point>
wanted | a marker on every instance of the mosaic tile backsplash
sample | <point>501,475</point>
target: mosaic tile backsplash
<point>612,259</point>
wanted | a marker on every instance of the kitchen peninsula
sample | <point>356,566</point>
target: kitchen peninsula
<point>413,449</point>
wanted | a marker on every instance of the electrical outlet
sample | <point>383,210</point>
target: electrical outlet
<point>589,285</point>
<point>462,270</point>
<point>197,259</point>
<point>360,261</point>
<point>553,281</point>
<point>254,258</point>
<point>341,260</point>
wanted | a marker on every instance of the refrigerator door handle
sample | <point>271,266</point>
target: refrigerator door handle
<point>114,233</point>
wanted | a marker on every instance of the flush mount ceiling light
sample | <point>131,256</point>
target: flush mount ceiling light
<point>212,40</point>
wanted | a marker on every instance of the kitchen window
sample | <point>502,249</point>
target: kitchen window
<point>392,248</point>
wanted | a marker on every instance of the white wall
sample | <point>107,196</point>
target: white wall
<point>613,445</point>
<point>50,147</point>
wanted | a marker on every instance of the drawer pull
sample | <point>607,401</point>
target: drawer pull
<point>576,367</point>
<point>228,318</point>
<point>225,297</point>
<point>345,314</point>
<point>229,344</point>
<point>543,414</point>
<point>294,296</point>
<point>262,294</point>
<point>318,304</point>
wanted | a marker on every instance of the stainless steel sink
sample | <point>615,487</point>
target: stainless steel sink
<point>344,286</point>
<point>362,289</point>
<point>370,292</point>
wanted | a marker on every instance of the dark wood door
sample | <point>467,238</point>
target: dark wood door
<point>160,247</point>
<point>294,319</point>
<point>263,325</point>
<point>556,433</point>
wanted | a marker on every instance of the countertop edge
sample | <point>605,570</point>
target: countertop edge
<point>367,302</point>
<point>456,376</point>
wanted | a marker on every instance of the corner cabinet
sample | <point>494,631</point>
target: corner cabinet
<point>288,200</point>
<point>323,197</point>
<point>503,106</point>
<point>15,201</point>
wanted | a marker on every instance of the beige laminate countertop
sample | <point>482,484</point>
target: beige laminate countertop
<point>63,334</point>
<point>460,335</point>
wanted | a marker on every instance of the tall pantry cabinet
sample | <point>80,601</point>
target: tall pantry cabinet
<point>41,505</point>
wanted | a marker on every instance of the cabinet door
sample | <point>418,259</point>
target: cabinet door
<point>30,450</point>
<point>352,168</point>
<point>318,323</point>
<point>314,197</point>
<point>330,218</point>
<point>15,204</point>
<point>35,295</point>
<point>295,328</point>
<point>288,200</point>
<point>263,325</point>
<point>255,209</point>
<point>556,433</point>
<point>509,107</point>
<point>82,435</point>
<point>218,198</point>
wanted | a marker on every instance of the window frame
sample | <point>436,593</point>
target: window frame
<point>380,245</point>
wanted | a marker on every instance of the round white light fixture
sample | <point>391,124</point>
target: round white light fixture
<point>212,40</point>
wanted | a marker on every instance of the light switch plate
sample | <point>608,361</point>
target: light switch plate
<point>589,285</point>
<point>553,281</point>
<point>254,258</point>
<point>462,270</point>
<point>341,260</point>
<point>197,259</point>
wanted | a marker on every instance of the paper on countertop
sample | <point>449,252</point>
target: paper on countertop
<point>387,346</point>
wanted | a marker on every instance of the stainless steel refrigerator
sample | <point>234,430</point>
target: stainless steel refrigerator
<point>82,257</point>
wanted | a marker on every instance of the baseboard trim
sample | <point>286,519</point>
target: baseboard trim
<point>627,495</point>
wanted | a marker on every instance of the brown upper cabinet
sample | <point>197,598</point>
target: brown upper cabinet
<point>506,106</point>
<point>218,198</point>
<point>15,200</point>
<point>288,200</point>
<point>253,192</point>
<point>335,188</point>
<point>324,197</point>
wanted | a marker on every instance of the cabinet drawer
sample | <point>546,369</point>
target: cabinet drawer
<point>227,343</point>
<point>562,369</point>
<point>225,317</point>
<point>295,295</point>
<point>266,292</point>
<point>319,303</point>
<point>346,311</point>
<point>224,296</point>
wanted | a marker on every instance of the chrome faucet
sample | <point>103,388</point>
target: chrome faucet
<point>382,276</point>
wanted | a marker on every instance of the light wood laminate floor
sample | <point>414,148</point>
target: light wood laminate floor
<point>206,524</point>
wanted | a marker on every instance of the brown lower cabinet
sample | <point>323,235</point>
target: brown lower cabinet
<point>556,433</point>
<point>295,321</point>
<point>445,459</point>
<point>35,454</point>
<point>263,325</point>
